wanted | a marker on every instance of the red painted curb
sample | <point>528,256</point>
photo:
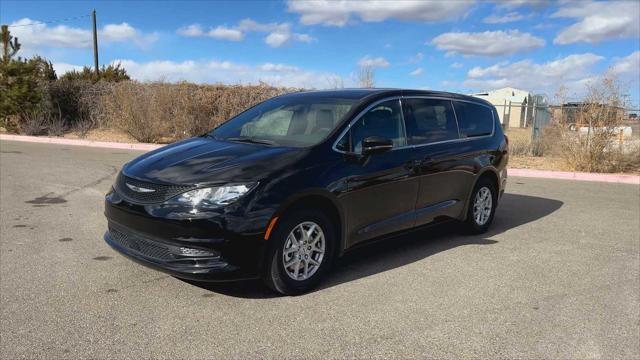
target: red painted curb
<point>580,176</point>
<point>80,142</point>
<point>544,174</point>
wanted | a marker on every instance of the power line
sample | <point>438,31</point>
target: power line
<point>51,21</point>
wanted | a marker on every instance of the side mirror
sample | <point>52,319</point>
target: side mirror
<point>375,145</point>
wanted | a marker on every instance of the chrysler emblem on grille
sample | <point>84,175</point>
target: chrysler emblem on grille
<point>139,189</point>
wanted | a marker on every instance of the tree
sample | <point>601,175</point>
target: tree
<point>23,85</point>
<point>21,91</point>
<point>110,73</point>
<point>366,76</point>
<point>43,69</point>
<point>10,45</point>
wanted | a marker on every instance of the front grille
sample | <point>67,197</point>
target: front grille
<point>159,194</point>
<point>157,250</point>
<point>145,247</point>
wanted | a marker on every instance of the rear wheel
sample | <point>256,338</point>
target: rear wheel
<point>482,207</point>
<point>301,252</point>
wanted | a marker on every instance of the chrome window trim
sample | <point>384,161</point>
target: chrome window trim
<point>404,125</point>
<point>455,116</point>
<point>399,98</point>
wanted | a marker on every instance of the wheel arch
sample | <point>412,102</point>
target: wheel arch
<point>323,200</point>
<point>486,173</point>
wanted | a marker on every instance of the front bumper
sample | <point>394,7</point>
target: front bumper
<point>201,250</point>
<point>210,268</point>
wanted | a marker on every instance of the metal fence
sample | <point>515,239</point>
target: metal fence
<point>534,114</point>
<point>537,113</point>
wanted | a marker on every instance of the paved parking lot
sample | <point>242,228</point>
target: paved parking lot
<point>557,277</point>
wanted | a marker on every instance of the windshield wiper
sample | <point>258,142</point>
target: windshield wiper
<point>251,140</point>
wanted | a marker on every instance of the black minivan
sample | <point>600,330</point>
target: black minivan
<point>284,188</point>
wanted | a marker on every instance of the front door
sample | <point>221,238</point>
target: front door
<point>382,188</point>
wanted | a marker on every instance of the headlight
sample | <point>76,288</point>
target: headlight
<point>211,197</point>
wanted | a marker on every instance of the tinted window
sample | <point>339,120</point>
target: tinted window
<point>288,121</point>
<point>383,120</point>
<point>473,119</point>
<point>429,120</point>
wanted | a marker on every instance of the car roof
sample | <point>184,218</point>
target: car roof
<point>367,95</point>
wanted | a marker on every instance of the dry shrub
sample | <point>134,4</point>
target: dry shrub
<point>41,121</point>
<point>55,123</point>
<point>76,103</point>
<point>521,144</point>
<point>519,141</point>
<point>162,112</point>
<point>598,150</point>
<point>33,122</point>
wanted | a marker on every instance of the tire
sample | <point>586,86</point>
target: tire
<point>476,222</point>
<point>282,250</point>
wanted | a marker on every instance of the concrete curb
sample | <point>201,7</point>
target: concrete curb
<point>579,176</point>
<point>544,174</point>
<point>80,142</point>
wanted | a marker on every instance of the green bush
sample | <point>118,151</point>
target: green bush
<point>23,88</point>
<point>109,73</point>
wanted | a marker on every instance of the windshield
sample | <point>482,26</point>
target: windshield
<point>286,121</point>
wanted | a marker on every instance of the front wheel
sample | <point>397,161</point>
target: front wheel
<point>482,208</point>
<point>301,252</point>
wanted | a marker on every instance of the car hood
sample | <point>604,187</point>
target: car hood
<point>204,160</point>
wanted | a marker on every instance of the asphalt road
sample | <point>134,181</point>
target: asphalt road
<point>557,277</point>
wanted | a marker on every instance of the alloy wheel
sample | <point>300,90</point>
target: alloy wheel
<point>303,251</point>
<point>482,205</point>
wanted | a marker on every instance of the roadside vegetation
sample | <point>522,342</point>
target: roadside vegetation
<point>588,138</point>
<point>35,101</point>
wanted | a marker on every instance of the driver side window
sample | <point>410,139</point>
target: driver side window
<point>384,120</point>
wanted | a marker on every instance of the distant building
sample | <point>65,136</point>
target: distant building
<point>511,104</point>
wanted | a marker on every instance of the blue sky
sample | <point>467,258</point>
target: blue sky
<point>462,46</point>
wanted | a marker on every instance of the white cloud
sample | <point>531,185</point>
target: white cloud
<point>251,25</point>
<point>278,67</point>
<point>488,43</point>
<point>220,32</point>
<point>279,34</point>
<point>599,21</point>
<point>573,71</point>
<point>456,65</point>
<point>304,38</point>
<point>125,32</point>
<point>339,13</point>
<point>35,37</point>
<point>512,4</point>
<point>503,19</point>
<point>629,66</point>
<point>378,62</point>
<point>277,39</point>
<point>226,72</point>
<point>61,68</point>
<point>417,72</point>
<point>224,33</point>
<point>193,30</point>
<point>416,58</point>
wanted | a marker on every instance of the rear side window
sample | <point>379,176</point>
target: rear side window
<point>429,120</point>
<point>473,119</point>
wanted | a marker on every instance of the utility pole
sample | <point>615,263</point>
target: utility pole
<point>95,44</point>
